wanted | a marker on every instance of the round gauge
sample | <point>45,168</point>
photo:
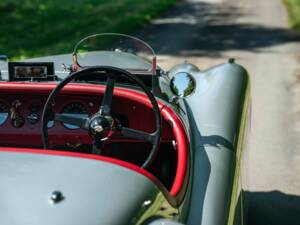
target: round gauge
<point>4,112</point>
<point>74,108</point>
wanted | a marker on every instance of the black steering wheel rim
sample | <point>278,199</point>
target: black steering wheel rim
<point>154,137</point>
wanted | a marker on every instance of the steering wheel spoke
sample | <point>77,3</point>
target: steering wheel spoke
<point>138,134</point>
<point>105,107</point>
<point>81,121</point>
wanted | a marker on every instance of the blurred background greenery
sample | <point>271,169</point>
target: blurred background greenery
<point>36,27</point>
<point>293,7</point>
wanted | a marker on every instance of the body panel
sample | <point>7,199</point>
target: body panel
<point>215,114</point>
<point>94,192</point>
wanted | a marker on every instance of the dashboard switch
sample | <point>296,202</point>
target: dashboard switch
<point>33,118</point>
<point>16,118</point>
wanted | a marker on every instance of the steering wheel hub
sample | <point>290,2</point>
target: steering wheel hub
<point>100,126</point>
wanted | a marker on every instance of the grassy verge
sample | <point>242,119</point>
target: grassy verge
<point>34,27</point>
<point>293,7</point>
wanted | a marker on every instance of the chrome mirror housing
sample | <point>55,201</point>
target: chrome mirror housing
<point>183,84</point>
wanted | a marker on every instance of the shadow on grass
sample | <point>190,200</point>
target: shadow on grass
<point>205,29</point>
<point>272,208</point>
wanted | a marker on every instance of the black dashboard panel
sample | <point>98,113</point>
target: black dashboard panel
<point>146,79</point>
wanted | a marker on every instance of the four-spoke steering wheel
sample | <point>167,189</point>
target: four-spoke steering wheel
<point>101,125</point>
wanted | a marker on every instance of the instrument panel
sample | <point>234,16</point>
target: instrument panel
<point>20,118</point>
<point>18,112</point>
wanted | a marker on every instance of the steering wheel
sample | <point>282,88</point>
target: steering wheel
<point>101,126</point>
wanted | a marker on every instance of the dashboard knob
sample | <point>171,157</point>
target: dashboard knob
<point>33,118</point>
<point>16,118</point>
<point>18,122</point>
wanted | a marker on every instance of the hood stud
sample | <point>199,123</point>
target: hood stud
<point>56,197</point>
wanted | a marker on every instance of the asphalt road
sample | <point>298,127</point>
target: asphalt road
<point>256,33</point>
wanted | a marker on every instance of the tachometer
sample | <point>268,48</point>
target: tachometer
<point>76,108</point>
<point>4,112</point>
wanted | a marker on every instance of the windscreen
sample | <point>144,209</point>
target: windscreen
<point>118,50</point>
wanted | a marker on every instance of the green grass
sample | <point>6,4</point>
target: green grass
<point>35,27</point>
<point>293,7</point>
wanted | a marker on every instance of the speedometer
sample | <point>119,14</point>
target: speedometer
<point>74,108</point>
<point>4,112</point>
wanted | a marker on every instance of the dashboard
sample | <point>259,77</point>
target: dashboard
<point>25,111</point>
<point>20,117</point>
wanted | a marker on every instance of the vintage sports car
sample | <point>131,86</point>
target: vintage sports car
<point>104,136</point>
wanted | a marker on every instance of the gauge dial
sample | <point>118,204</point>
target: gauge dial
<point>4,112</point>
<point>74,108</point>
